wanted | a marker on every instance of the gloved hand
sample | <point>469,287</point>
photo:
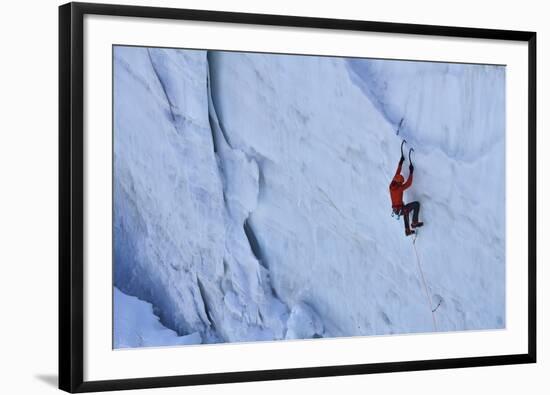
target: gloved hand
<point>401,160</point>
<point>411,168</point>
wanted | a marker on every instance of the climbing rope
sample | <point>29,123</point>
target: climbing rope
<point>428,298</point>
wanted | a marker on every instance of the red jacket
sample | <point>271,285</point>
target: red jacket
<point>397,189</point>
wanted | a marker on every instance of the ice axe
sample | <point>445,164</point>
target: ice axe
<point>402,143</point>
<point>410,160</point>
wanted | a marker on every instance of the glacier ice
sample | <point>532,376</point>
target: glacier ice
<point>251,194</point>
<point>136,325</point>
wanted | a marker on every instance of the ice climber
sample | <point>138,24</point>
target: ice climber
<point>397,187</point>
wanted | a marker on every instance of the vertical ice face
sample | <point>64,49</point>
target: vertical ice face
<point>251,193</point>
<point>454,114</point>
<point>169,210</point>
<point>323,132</point>
<point>181,199</point>
<point>457,108</point>
<point>316,140</point>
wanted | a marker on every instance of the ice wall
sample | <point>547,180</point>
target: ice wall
<point>180,240</point>
<point>251,193</point>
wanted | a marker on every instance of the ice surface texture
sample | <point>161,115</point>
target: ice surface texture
<point>251,196</point>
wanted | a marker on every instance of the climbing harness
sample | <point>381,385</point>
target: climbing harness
<point>396,214</point>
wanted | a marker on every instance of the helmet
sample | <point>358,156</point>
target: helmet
<point>399,179</point>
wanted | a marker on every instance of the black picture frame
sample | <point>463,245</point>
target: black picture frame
<point>71,195</point>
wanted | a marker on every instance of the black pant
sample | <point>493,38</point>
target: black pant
<point>406,209</point>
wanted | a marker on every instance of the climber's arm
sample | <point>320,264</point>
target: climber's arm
<point>409,181</point>
<point>398,171</point>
